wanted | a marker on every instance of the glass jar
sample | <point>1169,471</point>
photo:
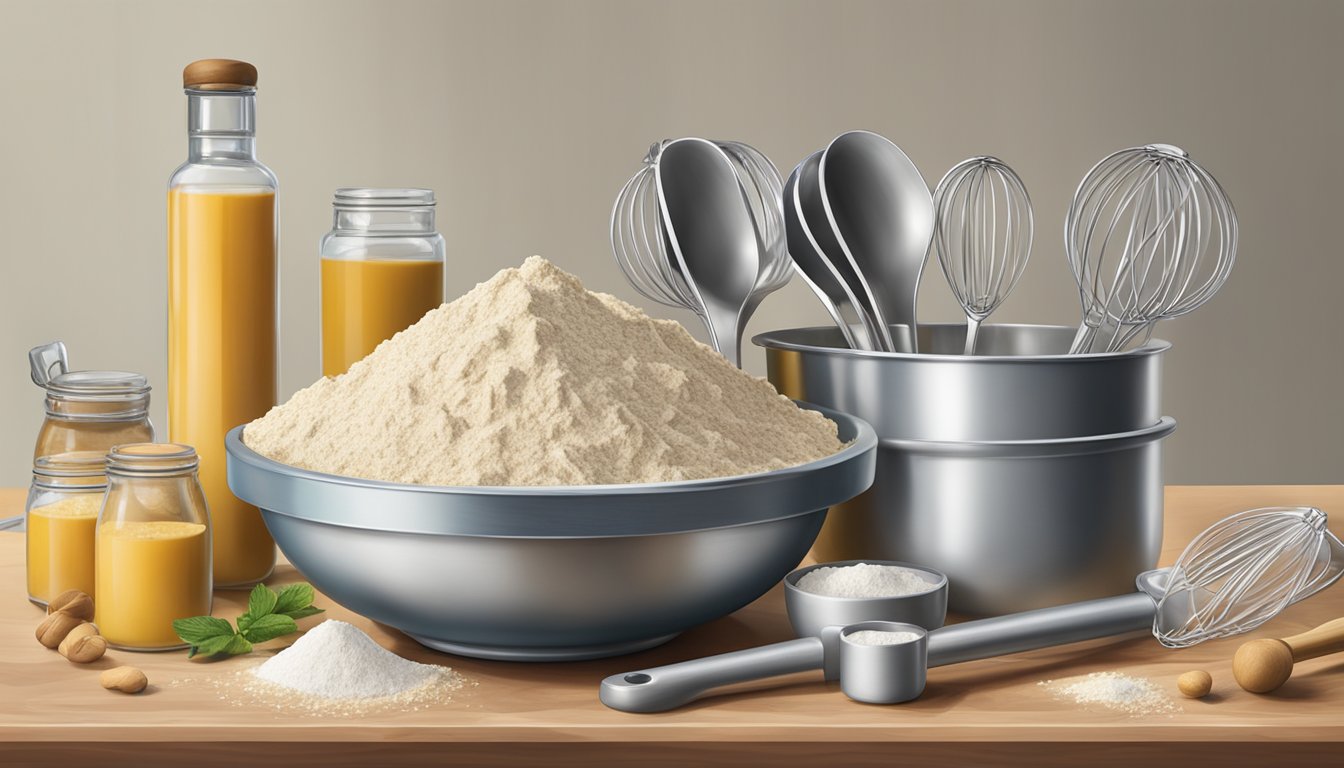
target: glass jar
<point>382,270</point>
<point>87,410</point>
<point>60,517</point>
<point>222,299</point>
<point>153,562</point>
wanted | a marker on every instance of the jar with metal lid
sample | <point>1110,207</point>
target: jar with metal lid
<point>382,270</point>
<point>153,562</point>
<point>60,517</point>
<point>87,410</point>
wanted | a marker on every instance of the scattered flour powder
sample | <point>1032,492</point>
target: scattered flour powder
<point>1114,690</point>
<point>879,637</point>
<point>530,379</point>
<point>863,580</point>
<point>336,668</point>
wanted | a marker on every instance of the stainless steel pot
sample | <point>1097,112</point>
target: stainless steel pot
<point>1030,477</point>
<point>556,573</point>
<point>1014,525</point>
<point>1023,386</point>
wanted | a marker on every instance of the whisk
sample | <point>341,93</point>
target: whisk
<point>1244,570</point>
<point>643,250</point>
<point>1150,235</point>
<point>983,232</point>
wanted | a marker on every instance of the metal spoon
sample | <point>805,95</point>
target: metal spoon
<point>882,213</point>
<point>812,213</point>
<point>708,223</point>
<point>818,273</point>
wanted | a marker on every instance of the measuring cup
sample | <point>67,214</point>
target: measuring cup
<point>823,624</point>
<point>888,674</point>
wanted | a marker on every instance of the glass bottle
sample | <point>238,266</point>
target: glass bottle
<point>382,270</point>
<point>87,410</point>
<point>61,515</point>
<point>152,547</point>
<point>222,299</point>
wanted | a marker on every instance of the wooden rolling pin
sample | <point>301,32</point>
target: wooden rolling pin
<point>1261,666</point>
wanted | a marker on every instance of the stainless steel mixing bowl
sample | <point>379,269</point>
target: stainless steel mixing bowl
<point>549,573</point>
<point>1022,386</point>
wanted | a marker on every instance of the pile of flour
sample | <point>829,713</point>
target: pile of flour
<point>530,379</point>
<point>1114,690</point>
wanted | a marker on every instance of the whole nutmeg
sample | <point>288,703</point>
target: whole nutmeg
<point>55,627</point>
<point>73,602</point>
<point>81,630</point>
<point>124,679</point>
<point>84,649</point>
<point>1195,684</point>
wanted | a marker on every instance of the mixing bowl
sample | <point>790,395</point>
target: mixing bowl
<point>1021,386</point>
<point>549,573</point>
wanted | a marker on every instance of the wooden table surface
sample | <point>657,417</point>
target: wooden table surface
<point>975,713</point>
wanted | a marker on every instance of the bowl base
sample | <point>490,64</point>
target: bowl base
<point>508,653</point>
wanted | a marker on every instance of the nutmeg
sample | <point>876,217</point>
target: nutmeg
<point>55,627</point>
<point>124,679</point>
<point>73,602</point>
<point>84,649</point>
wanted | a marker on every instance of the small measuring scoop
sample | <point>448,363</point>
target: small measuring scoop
<point>878,674</point>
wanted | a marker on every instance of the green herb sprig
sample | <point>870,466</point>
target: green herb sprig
<point>270,614</point>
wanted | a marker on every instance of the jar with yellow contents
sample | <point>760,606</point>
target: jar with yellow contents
<point>152,547</point>
<point>87,410</point>
<point>62,511</point>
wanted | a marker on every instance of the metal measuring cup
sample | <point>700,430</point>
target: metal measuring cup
<point>877,674</point>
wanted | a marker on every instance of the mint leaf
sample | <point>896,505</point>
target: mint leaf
<point>238,645</point>
<point>293,597</point>
<point>198,629</point>
<point>303,613</point>
<point>261,602</point>
<point>212,646</point>
<point>269,628</point>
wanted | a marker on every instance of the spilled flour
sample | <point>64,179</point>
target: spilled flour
<point>336,669</point>
<point>1114,690</point>
<point>530,379</point>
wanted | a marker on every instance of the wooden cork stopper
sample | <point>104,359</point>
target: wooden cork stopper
<point>219,75</point>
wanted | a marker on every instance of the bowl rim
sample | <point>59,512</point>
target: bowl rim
<point>533,511</point>
<point>777,339</point>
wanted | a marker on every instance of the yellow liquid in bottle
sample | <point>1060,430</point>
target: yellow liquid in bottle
<point>364,303</point>
<point>60,546</point>
<point>149,573</point>
<point>221,353</point>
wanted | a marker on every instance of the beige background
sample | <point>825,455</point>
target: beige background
<point>526,117</point>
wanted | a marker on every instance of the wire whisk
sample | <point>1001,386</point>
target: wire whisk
<point>1150,235</point>
<point>983,233</point>
<point>1244,570</point>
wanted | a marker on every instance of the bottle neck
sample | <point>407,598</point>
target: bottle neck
<point>384,221</point>
<point>221,125</point>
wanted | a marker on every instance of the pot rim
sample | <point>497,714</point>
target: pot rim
<point>776,340</point>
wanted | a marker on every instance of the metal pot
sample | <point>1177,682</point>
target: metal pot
<point>1029,476</point>
<point>1014,525</point>
<point>1023,385</point>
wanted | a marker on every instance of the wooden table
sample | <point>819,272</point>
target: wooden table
<point>976,713</point>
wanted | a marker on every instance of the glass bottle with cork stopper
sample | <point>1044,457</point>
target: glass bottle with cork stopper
<point>152,562</point>
<point>222,299</point>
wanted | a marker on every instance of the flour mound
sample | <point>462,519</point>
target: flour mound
<point>335,660</point>
<point>530,379</point>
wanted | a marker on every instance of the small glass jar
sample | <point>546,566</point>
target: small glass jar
<point>153,547</point>
<point>382,270</point>
<point>61,515</point>
<point>88,410</point>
